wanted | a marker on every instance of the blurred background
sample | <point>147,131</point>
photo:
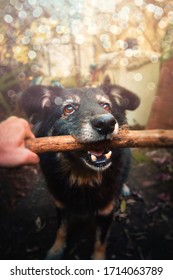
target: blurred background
<point>75,43</point>
<point>83,42</point>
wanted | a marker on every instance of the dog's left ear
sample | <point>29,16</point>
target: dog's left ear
<point>124,98</point>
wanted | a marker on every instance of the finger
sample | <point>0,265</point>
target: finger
<point>31,158</point>
<point>25,156</point>
<point>27,129</point>
<point>11,119</point>
<point>20,157</point>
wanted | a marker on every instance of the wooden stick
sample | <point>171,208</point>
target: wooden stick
<point>124,139</point>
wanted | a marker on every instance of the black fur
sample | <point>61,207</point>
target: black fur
<point>84,185</point>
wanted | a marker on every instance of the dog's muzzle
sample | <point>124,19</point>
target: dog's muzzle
<point>100,159</point>
<point>104,124</point>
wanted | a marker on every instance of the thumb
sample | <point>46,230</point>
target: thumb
<point>29,157</point>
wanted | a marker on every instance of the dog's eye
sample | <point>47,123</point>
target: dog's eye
<point>106,106</point>
<point>69,109</point>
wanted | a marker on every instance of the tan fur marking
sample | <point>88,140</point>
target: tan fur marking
<point>72,99</point>
<point>79,175</point>
<point>117,95</point>
<point>102,98</point>
<point>99,248</point>
<point>85,180</point>
<point>58,203</point>
<point>89,180</point>
<point>59,241</point>
<point>108,209</point>
<point>46,99</point>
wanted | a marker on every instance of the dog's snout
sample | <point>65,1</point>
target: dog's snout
<point>104,123</point>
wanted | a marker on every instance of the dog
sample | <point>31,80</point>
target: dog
<point>85,185</point>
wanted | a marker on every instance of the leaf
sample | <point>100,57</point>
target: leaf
<point>130,201</point>
<point>123,206</point>
<point>164,197</point>
<point>164,177</point>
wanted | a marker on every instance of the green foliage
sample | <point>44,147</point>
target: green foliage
<point>140,157</point>
<point>72,81</point>
<point>4,104</point>
<point>69,81</point>
<point>9,87</point>
<point>8,81</point>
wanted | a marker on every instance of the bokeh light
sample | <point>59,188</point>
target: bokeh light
<point>79,33</point>
<point>32,54</point>
<point>8,18</point>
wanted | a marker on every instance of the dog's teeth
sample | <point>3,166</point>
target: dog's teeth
<point>108,155</point>
<point>93,158</point>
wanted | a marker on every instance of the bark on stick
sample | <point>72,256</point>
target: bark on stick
<point>124,139</point>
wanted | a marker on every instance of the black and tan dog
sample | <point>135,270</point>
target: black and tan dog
<point>84,185</point>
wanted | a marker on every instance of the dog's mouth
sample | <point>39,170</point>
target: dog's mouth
<point>98,160</point>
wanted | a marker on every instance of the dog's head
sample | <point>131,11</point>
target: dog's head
<point>89,114</point>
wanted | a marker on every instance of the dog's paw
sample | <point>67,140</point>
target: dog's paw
<point>55,256</point>
<point>99,252</point>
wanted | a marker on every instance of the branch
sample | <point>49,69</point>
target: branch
<point>124,139</point>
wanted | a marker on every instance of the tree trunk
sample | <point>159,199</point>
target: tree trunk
<point>161,116</point>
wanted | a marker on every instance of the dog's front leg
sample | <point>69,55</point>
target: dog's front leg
<point>56,251</point>
<point>104,222</point>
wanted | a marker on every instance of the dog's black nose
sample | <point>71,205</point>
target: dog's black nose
<point>104,123</point>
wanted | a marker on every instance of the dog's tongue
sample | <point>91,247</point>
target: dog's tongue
<point>99,156</point>
<point>97,153</point>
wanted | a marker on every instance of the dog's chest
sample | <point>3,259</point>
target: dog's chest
<point>91,191</point>
<point>80,180</point>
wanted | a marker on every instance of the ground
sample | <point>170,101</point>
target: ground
<point>143,223</point>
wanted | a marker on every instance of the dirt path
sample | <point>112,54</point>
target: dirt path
<point>143,225</point>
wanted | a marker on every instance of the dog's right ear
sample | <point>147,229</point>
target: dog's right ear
<point>36,101</point>
<point>123,97</point>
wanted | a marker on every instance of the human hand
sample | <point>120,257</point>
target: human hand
<point>13,133</point>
